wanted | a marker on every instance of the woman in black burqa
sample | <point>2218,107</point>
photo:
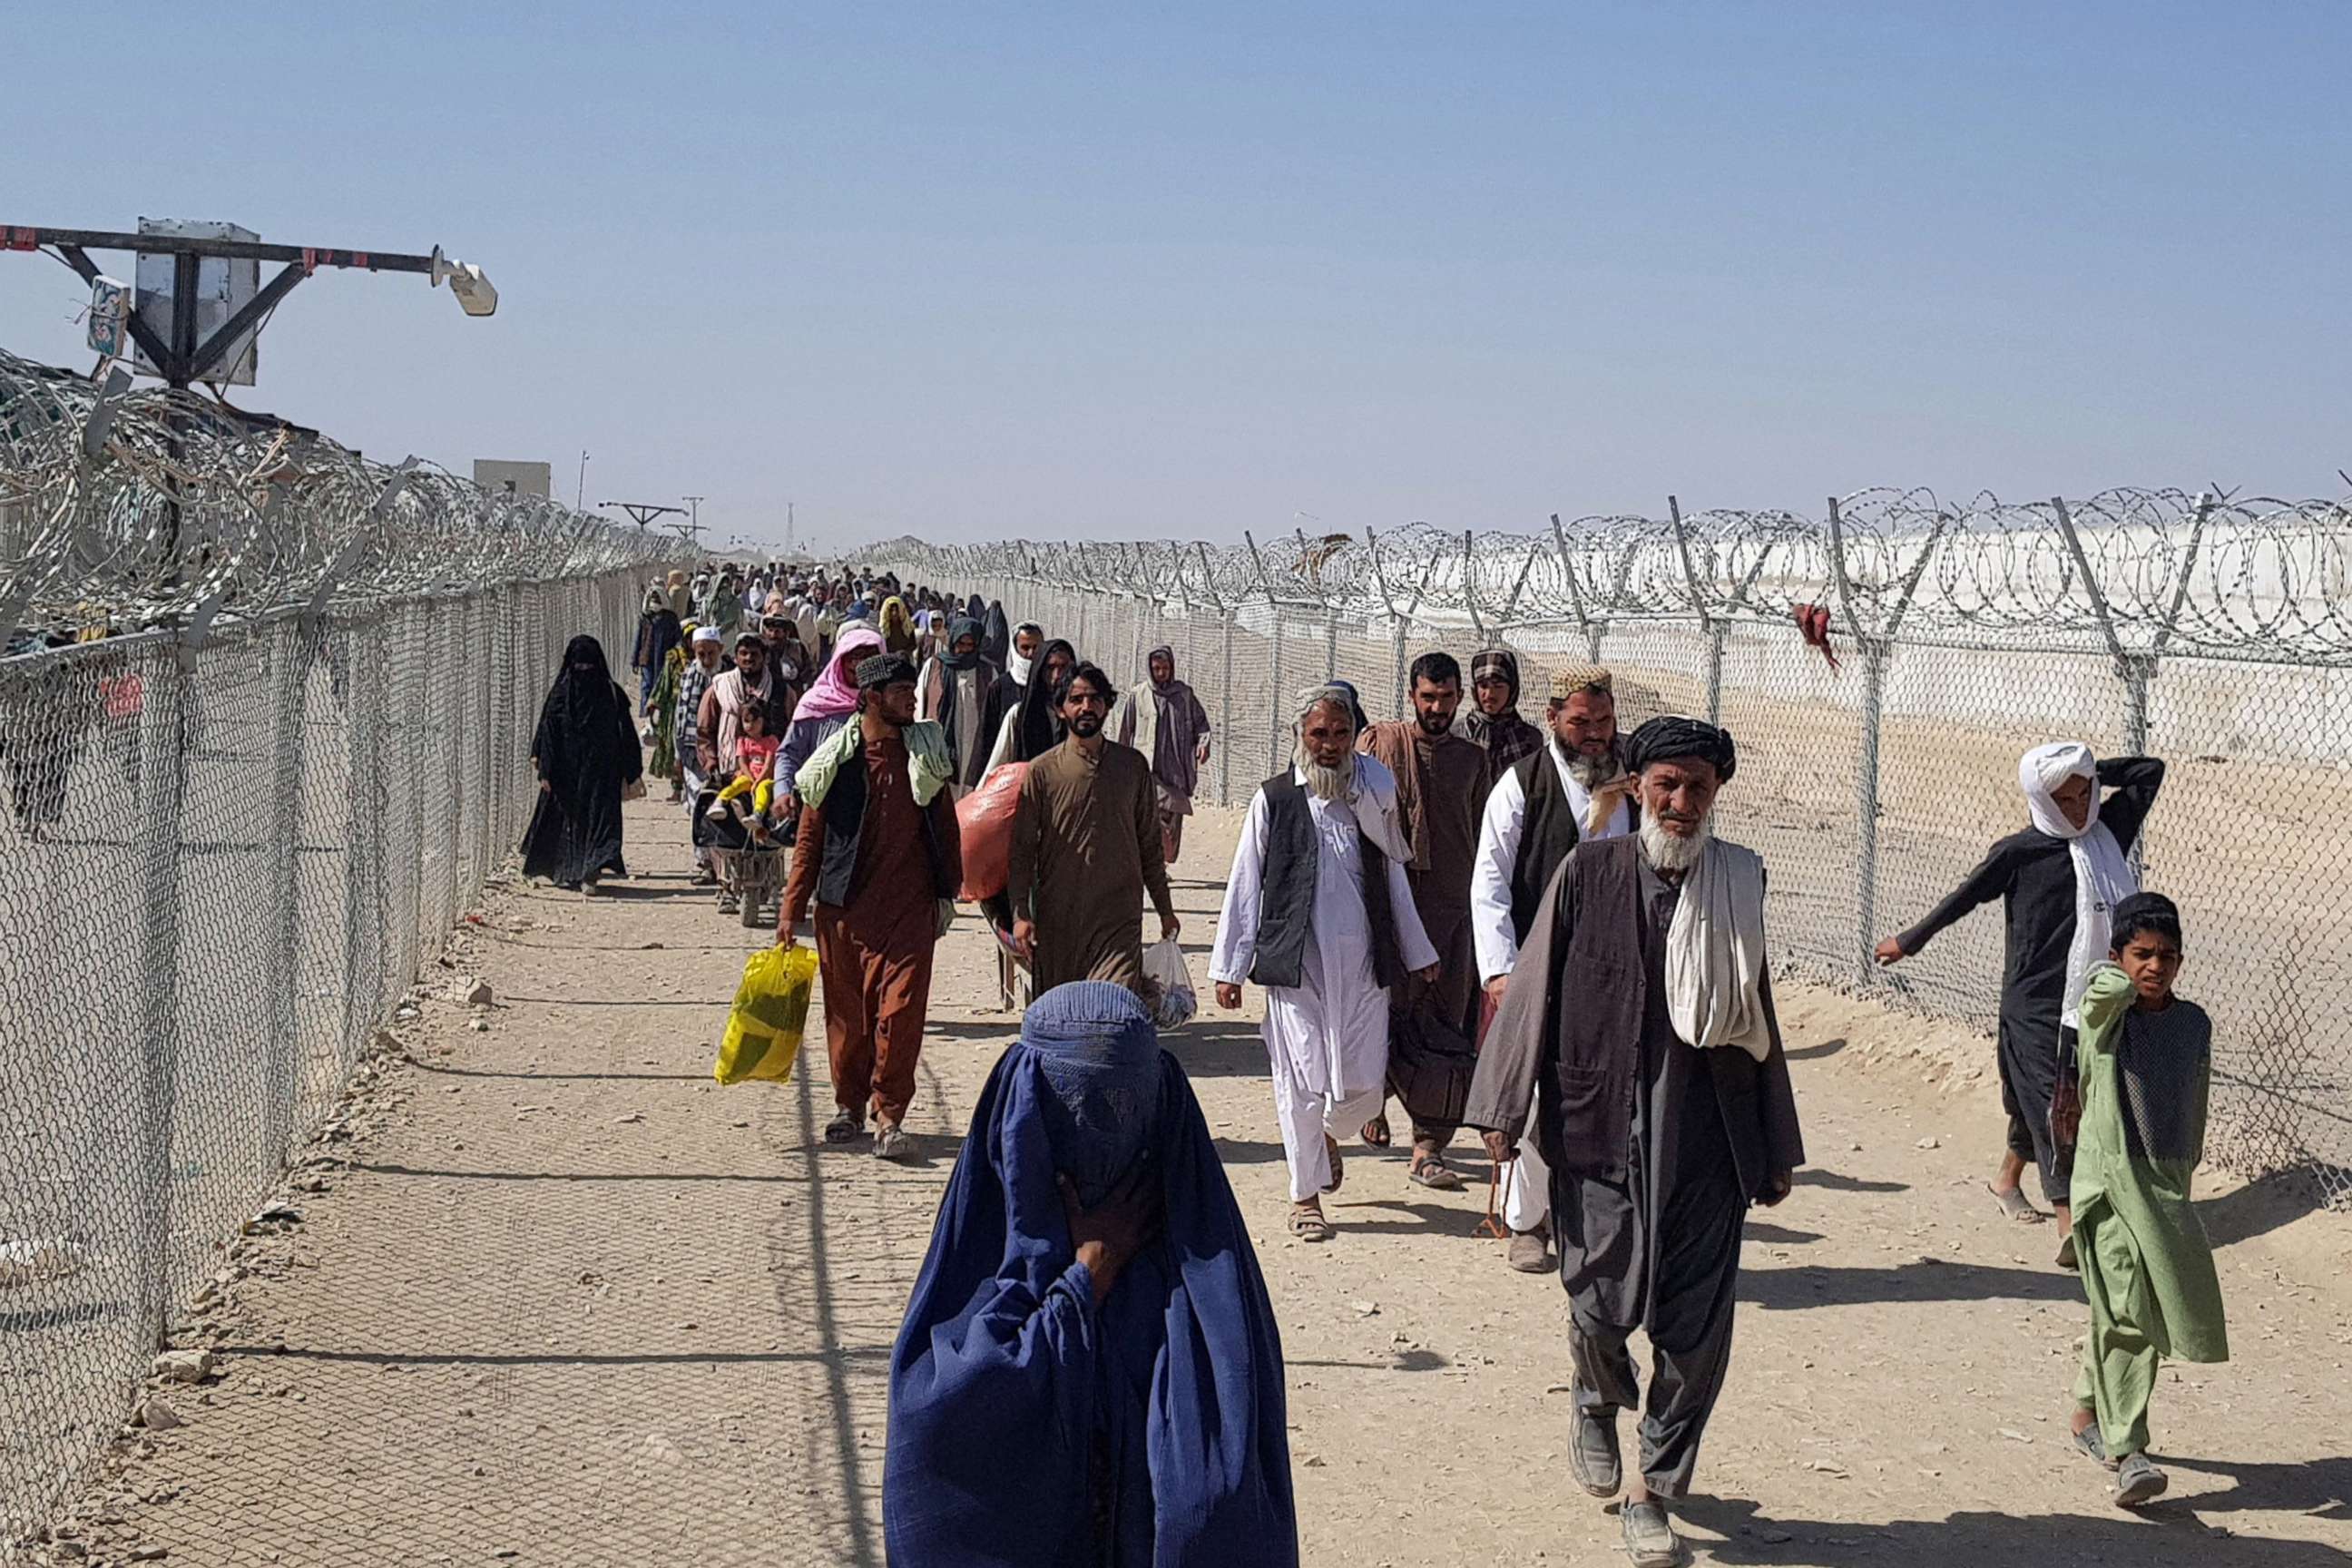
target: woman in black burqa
<point>586,753</point>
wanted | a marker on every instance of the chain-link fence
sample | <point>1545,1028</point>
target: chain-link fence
<point>264,730</point>
<point>1882,670</point>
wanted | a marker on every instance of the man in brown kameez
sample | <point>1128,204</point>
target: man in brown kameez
<point>1085,850</point>
<point>1162,718</point>
<point>1441,782</point>
<point>878,848</point>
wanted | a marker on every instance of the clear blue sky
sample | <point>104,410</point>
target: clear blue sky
<point>976,270</point>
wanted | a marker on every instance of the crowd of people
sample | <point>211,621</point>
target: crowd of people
<point>1529,929</point>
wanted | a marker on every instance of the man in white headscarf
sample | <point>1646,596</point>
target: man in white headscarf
<point>1639,1018</point>
<point>1319,911</point>
<point>2058,880</point>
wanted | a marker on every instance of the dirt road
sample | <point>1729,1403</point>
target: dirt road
<point>563,1300</point>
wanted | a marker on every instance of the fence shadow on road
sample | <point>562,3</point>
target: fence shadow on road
<point>2263,1204</point>
<point>799,1248</point>
<point>1817,1050</point>
<point>441,1070</point>
<point>2319,1489</point>
<point>1925,1280</point>
<point>1218,1048</point>
<point>1436,1218</point>
<point>440,1175</point>
<point>2166,1535</point>
<point>1837,1181</point>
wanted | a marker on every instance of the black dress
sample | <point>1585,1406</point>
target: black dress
<point>587,750</point>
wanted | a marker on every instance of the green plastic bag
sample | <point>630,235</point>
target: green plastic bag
<point>764,1028</point>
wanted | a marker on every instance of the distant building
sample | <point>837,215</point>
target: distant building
<point>536,479</point>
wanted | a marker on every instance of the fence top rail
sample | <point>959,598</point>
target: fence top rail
<point>137,507</point>
<point>2168,570</point>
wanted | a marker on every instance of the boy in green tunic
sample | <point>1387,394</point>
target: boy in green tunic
<point>2146,1058</point>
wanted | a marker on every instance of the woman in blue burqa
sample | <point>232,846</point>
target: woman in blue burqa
<point>1089,1374</point>
<point>586,753</point>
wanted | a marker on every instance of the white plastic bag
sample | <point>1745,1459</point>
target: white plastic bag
<point>1173,1002</point>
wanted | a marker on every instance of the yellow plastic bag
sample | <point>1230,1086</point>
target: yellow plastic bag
<point>764,1028</point>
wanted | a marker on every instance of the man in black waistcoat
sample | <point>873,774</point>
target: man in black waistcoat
<point>1639,1018</point>
<point>1575,789</point>
<point>1318,910</point>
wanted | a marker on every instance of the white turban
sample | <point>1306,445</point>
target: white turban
<point>2039,772</point>
<point>2102,878</point>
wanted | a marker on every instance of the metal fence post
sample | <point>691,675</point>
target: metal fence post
<point>1866,802</point>
<point>1865,771</point>
<point>288,662</point>
<point>417,629</point>
<point>1708,622</point>
<point>1274,690</point>
<point>1584,623</point>
<point>1470,585</point>
<point>163,757</point>
<point>1137,579</point>
<point>365,928</point>
<point>448,651</point>
<point>1273,631</point>
<point>2134,669</point>
<point>1225,710</point>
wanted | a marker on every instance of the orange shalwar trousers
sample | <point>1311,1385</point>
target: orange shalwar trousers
<point>876,996</point>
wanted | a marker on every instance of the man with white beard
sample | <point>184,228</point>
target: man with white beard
<point>1640,1014</point>
<point>1318,911</point>
<point>1572,790</point>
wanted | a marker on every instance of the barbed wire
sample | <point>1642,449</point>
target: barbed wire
<point>132,508</point>
<point>2134,571</point>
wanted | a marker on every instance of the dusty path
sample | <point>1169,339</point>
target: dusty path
<point>564,1300</point>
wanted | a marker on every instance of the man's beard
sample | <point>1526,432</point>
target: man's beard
<point>1670,852</point>
<point>1591,772</point>
<point>1086,726</point>
<point>1432,724</point>
<point>1322,782</point>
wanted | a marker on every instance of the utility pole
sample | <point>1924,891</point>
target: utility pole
<point>694,519</point>
<point>790,542</point>
<point>580,496</point>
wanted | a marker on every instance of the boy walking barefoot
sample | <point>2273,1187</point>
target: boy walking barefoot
<point>2145,1060</point>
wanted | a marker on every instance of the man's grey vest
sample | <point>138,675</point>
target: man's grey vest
<point>1286,907</point>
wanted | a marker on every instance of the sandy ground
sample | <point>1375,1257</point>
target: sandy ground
<point>554,1297</point>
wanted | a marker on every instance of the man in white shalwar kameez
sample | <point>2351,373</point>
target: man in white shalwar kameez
<point>1571,790</point>
<point>1319,911</point>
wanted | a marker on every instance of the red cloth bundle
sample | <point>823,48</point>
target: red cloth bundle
<point>984,819</point>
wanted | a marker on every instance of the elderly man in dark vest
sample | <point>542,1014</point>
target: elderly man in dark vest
<point>1318,911</point>
<point>1639,1017</point>
<point>1575,789</point>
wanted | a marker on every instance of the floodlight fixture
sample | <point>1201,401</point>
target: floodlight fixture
<point>173,346</point>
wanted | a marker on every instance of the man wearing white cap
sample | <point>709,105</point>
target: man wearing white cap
<point>2059,881</point>
<point>1319,911</point>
